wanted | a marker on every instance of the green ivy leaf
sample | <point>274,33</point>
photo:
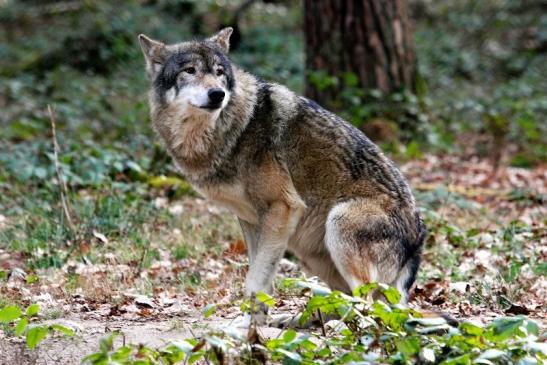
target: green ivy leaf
<point>35,335</point>
<point>30,279</point>
<point>460,360</point>
<point>134,166</point>
<point>195,357</point>
<point>289,336</point>
<point>409,346</point>
<point>63,329</point>
<point>491,354</point>
<point>324,352</point>
<point>364,290</point>
<point>209,310</point>
<point>21,326</point>
<point>392,295</point>
<point>122,354</point>
<point>95,358</point>
<point>502,329</point>
<point>245,306</point>
<point>265,299</point>
<point>9,313</point>
<point>183,346</point>
<point>172,354</point>
<point>308,345</point>
<point>291,355</point>
<point>217,342</point>
<point>471,329</point>
<point>532,327</point>
<point>33,310</point>
<point>106,343</point>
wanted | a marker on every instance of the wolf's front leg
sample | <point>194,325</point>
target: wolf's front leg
<point>275,227</point>
<point>267,247</point>
<point>263,266</point>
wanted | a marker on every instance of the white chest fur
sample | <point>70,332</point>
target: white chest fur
<point>232,197</point>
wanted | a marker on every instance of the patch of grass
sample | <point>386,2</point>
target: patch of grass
<point>52,313</point>
<point>189,280</point>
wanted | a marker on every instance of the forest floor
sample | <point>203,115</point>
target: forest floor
<point>485,258</point>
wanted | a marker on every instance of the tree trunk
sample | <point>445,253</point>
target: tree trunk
<point>368,38</point>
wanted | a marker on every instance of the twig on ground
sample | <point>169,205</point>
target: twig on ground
<point>62,182</point>
<point>252,325</point>
<point>141,261</point>
<point>323,330</point>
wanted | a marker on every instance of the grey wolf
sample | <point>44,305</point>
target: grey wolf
<point>298,177</point>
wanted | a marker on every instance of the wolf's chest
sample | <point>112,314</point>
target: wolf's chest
<point>232,197</point>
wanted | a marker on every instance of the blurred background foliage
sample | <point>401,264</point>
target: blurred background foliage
<point>480,84</point>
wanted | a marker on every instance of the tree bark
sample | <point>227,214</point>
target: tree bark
<point>370,38</point>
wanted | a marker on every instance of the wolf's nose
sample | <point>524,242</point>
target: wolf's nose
<point>216,95</point>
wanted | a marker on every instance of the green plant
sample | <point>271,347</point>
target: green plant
<point>18,323</point>
<point>378,331</point>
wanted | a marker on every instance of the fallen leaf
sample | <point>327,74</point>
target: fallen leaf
<point>237,248</point>
<point>101,237</point>
<point>144,301</point>
<point>517,309</point>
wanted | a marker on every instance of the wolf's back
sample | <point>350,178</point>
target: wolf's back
<point>334,157</point>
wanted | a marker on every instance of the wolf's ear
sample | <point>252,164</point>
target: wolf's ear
<point>222,38</point>
<point>154,53</point>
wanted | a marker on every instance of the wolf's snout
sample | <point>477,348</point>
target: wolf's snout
<point>216,95</point>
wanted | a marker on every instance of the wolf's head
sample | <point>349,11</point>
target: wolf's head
<point>192,78</point>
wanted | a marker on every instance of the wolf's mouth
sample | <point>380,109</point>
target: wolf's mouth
<point>208,107</point>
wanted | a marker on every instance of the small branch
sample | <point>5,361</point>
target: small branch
<point>190,330</point>
<point>252,325</point>
<point>141,261</point>
<point>323,330</point>
<point>62,182</point>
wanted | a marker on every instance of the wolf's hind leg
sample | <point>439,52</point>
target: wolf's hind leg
<point>363,244</point>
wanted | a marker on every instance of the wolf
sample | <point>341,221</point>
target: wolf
<point>298,177</point>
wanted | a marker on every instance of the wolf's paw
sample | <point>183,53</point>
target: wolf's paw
<point>242,321</point>
<point>245,320</point>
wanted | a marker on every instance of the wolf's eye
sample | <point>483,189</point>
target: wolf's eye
<point>190,70</point>
<point>220,72</point>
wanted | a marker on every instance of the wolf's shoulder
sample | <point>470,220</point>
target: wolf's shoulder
<point>277,100</point>
<point>284,104</point>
